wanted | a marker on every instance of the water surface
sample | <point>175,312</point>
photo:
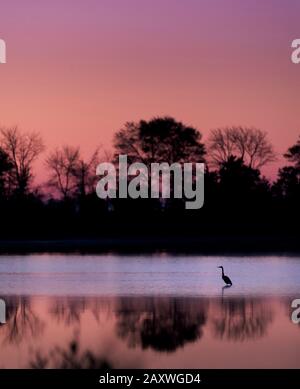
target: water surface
<point>149,311</point>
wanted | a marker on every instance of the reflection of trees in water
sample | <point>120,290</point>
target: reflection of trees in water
<point>70,310</point>
<point>241,319</point>
<point>69,358</point>
<point>67,310</point>
<point>163,324</point>
<point>21,321</point>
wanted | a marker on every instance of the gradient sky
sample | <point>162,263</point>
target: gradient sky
<point>77,70</point>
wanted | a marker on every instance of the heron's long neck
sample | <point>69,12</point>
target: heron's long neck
<point>222,271</point>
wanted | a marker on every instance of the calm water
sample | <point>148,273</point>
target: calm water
<point>149,311</point>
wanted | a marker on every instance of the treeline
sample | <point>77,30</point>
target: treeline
<point>239,200</point>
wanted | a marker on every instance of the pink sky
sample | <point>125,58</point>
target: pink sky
<point>77,70</point>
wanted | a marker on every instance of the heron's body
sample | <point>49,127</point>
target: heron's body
<point>225,278</point>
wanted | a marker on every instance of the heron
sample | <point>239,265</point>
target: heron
<point>226,279</point>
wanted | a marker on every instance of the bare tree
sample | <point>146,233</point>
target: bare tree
<point>85,174</point>
<point>249,144</point>
<point>70,174</point>
<point>22,150</point>
<point>62,164</point>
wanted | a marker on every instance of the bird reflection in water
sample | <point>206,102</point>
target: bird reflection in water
<point>240,318</point>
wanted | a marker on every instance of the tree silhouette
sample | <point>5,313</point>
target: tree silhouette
<point>6,167</point>
<point>238,199</point>
<point>239,181</point>
<point>62,164</point>
<point>161,139</point>
<point>293,154</point>
<point>251,145</point>
<point>22,149</point>
<point>288,183</point>
<point>70,174</point>
<point>85,174</point>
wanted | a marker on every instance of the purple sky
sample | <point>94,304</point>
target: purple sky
<point>77,70</point>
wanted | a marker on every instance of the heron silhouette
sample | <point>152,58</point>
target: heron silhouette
<point>225,278</point>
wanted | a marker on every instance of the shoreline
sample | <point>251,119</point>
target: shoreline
<point>176,245</point>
